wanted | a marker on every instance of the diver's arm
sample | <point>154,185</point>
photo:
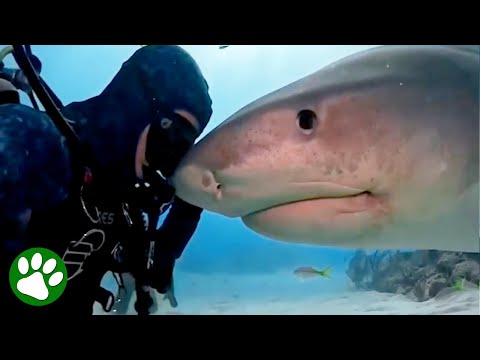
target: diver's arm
<point>171,239</point>
<point>178,228</point>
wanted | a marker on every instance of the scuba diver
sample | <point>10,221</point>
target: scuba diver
<point>89,180</point>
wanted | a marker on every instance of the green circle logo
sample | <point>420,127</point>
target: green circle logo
<point>38,276</point>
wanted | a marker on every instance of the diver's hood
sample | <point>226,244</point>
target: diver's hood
<point>110,124</point>
<point>164,74</point>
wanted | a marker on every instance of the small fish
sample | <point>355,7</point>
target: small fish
<point>308,272</point>
<point>223,47</point>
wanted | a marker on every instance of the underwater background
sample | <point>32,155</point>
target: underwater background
<point>227,268</point>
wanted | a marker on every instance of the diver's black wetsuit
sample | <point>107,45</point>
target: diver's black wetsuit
<point>36,173</point>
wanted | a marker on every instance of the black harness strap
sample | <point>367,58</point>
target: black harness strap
<point>51,109</point>
<point>82,158</point>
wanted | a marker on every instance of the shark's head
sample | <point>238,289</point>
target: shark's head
<point>382,137</point>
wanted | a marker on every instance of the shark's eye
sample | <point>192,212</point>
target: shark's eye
<point>306,120</point>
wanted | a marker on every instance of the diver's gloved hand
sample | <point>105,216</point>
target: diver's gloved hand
<point>161,275</point>
<point>161,278</point>
<point>145,304</point>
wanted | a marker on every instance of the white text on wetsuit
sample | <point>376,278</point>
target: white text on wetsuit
<point>107,218</point>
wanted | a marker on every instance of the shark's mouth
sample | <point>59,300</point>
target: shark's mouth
<point>240,195</point>
<point>349,204</point>
<point>325,218</point>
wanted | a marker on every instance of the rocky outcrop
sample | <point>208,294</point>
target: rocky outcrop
<point>420,275</point>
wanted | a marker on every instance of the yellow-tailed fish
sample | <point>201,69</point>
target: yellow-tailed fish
<point>308,272</point>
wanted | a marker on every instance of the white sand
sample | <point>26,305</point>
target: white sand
<point>282,293</point>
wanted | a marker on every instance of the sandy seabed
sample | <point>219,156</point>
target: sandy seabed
<point>280,294</point>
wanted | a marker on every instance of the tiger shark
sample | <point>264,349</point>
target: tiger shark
<point>378,150</point>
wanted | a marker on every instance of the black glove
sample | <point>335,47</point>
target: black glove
<point>156,275</point>
<point>154,268</point>
<point>161,275</point>
<point>144,302</point>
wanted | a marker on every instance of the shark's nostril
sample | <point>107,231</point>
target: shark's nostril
<point>219,192</point>
<point>217,186</point>
<point>210,184</point>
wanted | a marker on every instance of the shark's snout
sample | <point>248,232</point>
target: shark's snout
<point>197,184</point>
<point>209,184</point>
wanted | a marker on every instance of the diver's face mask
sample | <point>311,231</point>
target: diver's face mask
<point>169,138</point>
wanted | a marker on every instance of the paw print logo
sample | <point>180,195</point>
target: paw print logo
<point>38,276</point>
